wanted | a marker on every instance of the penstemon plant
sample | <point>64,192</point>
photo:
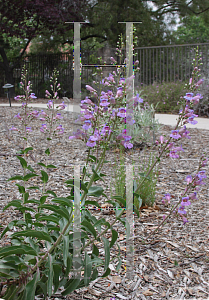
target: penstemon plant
<point>39,260</point>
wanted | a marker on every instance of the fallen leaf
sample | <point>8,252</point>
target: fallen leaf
<point>116,279</point>
<point>147,293</point>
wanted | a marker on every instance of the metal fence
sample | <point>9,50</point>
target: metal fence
<point>157,64</point>
<point>169,63</point>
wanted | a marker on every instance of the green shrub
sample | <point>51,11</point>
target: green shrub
<point>146,195</point>
<point>166,95</point>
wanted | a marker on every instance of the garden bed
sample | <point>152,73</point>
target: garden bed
<point>175,262</point>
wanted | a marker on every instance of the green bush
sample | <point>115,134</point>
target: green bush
<point>166,95</point>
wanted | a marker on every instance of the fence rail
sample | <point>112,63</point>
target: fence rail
<point>157,64</point>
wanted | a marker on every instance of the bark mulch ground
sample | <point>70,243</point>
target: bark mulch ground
<point>174,262</point>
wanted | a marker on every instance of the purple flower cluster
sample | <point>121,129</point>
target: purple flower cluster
<point>110,108</point>
<point>196,181</point>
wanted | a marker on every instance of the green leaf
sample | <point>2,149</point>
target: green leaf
<point>33,188</point>
<point>23,162</point>
<point>82,185</point>
<point>51,166</point>
<point>89,227</point>
<point>40,235</point>
<point>16,203</point>
<point>30,289</point>
<point>44,177</point>
<point>57,271</point>
<point>119,265</point>
<point>95,203</point>
<point>95,191</point>
<point>107,272</point>
<point>29,176</point>
<point>47,151</point>
<point>50,276</point>
<point>63,201</point>
<point>43,199</point>
<point>74,283</point>
<point>49,218</point>
<point>30,169</point>
<point>107,252</point>
<point>20,188</point>
<point>65,249</point>
<point>17,177</point>
<point>27,149</point>
<point>95,250</point>
<point>96,175</point>
<point>32,201</point>
<point>93,158</point>
<point>51,193</point>
<point>41,164</point>
<point>60,211</point>
<point>87,269</point>
<point>12,250</point>
<point>120,199</point>
<point>114,238</point>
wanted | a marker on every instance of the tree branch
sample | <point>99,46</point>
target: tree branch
<point>87,37</point>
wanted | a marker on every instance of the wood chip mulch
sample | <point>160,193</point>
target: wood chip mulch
<point>174,263</point>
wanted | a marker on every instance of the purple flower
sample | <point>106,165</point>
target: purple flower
<point>161,139</point>
<point>14,128</point>
<point>88,114</point>
<point>18,116</point>
<point>87,125</point>
<point>35,113</point>
<point>103,102</point>
<point>50,104</point>
<point>188,96</point>
<point>199,82</point>
<point>193,196</point>
<point>204,163</point>
<point>28,129</point>
<point>201,174</point>
<point>19,97</point>
<point>122,112</point>
<point>185,201</point>
<point>90,89</point>
<point>178,149</point>
<point>43,113</point>
<point>173,154</point>
<point>119,92</point>
<point>188,179</point>
<point>92,141</point>
<point>32,96</point>
<point>184,220</point>
<point>122,81</point>
<point>181,210</point>
<point>62,105</point>
<point>175,134</point>
<point>58,117</point>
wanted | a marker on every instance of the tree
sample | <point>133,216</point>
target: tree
<point>26,19</point>
<point>192,30</point>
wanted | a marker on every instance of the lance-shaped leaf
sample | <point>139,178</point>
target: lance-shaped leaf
<point>17,177</point>
<point>95,191</point>
<point>40,235</point>
<point>50,274</point>
<point>89,227</point>
<point>71,285</point>
<point>87,269</point>
<point>23,249</point>
<point>30,289</point>
<point>107,253</point>
<point>61,211</point>
<point>29,176</point>
<point>114,238</point>
<point>23,162</point>
<point>44,177</point>
<point>63,201</point>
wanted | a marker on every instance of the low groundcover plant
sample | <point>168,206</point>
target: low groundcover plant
<point>40,259</point>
